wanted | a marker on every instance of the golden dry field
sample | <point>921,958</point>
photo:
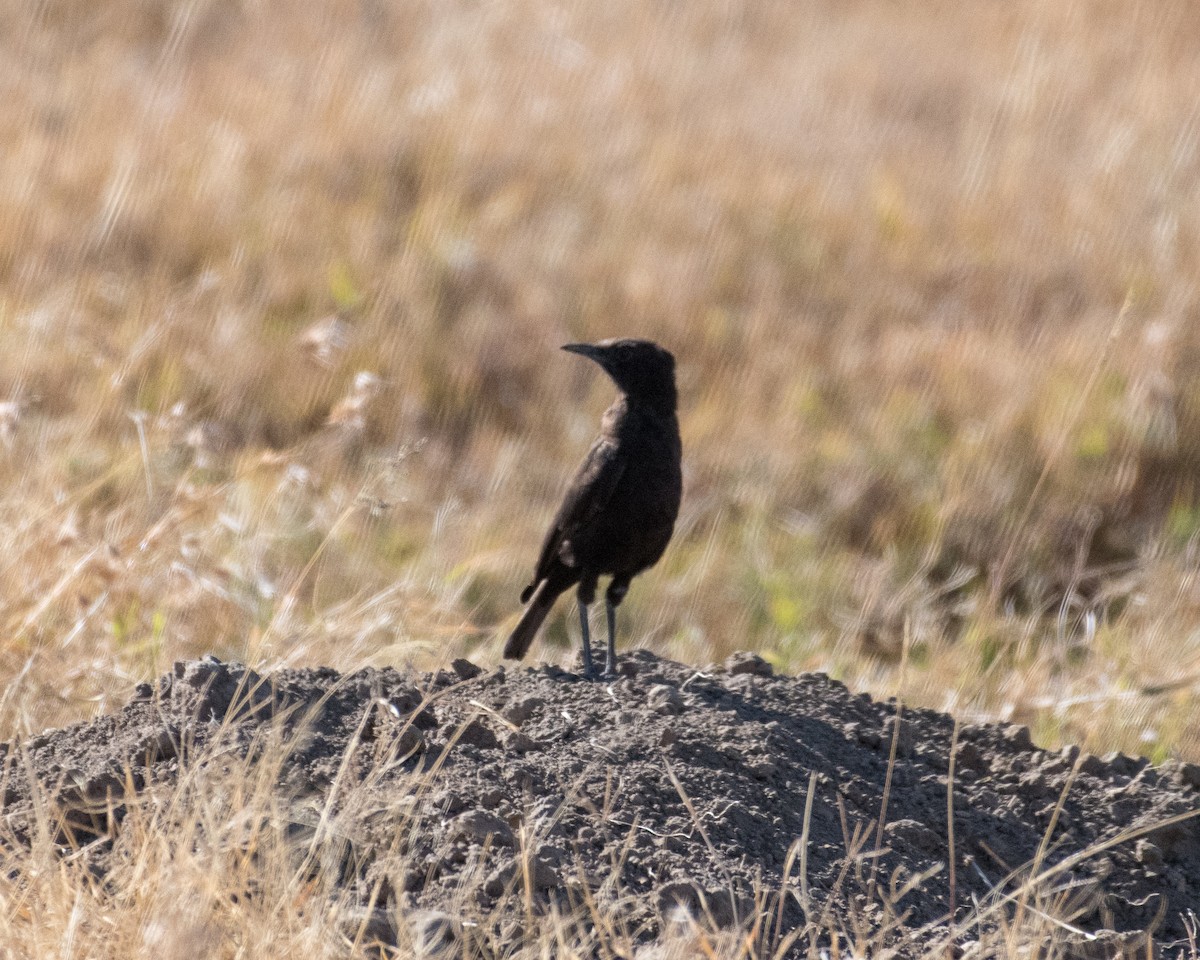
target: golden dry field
<point>930,274</point>
<point>282,287</point>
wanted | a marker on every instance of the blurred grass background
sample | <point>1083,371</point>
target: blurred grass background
<point>282,286</point>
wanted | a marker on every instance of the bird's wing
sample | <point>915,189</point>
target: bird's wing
<point>588,495</point>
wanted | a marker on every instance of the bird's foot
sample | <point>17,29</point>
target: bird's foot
<point>589,671</point>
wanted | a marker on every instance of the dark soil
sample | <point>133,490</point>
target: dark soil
<point>667,793</point>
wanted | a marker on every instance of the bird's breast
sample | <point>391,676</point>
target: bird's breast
<point>645,503</point>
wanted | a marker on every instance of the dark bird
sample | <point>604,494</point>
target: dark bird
<point>619,512</point>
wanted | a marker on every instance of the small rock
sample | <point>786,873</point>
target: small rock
<point>214,691</point>
<point>968,755</point>
<point>374,925</point>
<point>867,736</point>
<point>101,786</point>
<point>904,746</point>
<point>542,876</point>
<point>664,700</point>
<point>745,662</point>
<point>1091,764</point>
<point>42,739</point>
<point>478,826</point>
<point>409,741</point>
<point>398,734</point>
<point>453,803</point>
<point>521,710</point>
<point>1189,774</point>
<point>1122,809</point>
<point>491,799</point>
<point>465,669</point>
<point>434,934</point>
<point>1018,735</point>
<point>1122,765</point>
<point>496,678</point>
<point>1173,838</point>
<point>160,745</point>
<point>517,742</point>
<point>915,835</point>
<point>500,880</point>
<point>1149,855</point>
<point>478,734</point>
<point>1034,783</point>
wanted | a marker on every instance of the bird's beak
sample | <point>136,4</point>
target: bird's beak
<point>584,350</point>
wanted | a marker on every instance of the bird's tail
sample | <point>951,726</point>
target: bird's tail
<point>522,636</point>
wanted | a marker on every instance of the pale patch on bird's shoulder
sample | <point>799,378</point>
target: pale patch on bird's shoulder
<point>613,417</point>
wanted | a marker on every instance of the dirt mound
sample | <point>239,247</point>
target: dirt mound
<point>672,796</point>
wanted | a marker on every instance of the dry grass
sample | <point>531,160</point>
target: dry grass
<point>929,271</point>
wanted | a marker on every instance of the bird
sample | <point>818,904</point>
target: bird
<point>619,512</point>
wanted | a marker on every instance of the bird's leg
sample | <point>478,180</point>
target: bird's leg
<point>589,670</point>
<point>586,594</point>
<point>612,599</point>
<point>610,661</point>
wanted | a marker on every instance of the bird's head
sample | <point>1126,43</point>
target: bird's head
<point>640,368</point>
